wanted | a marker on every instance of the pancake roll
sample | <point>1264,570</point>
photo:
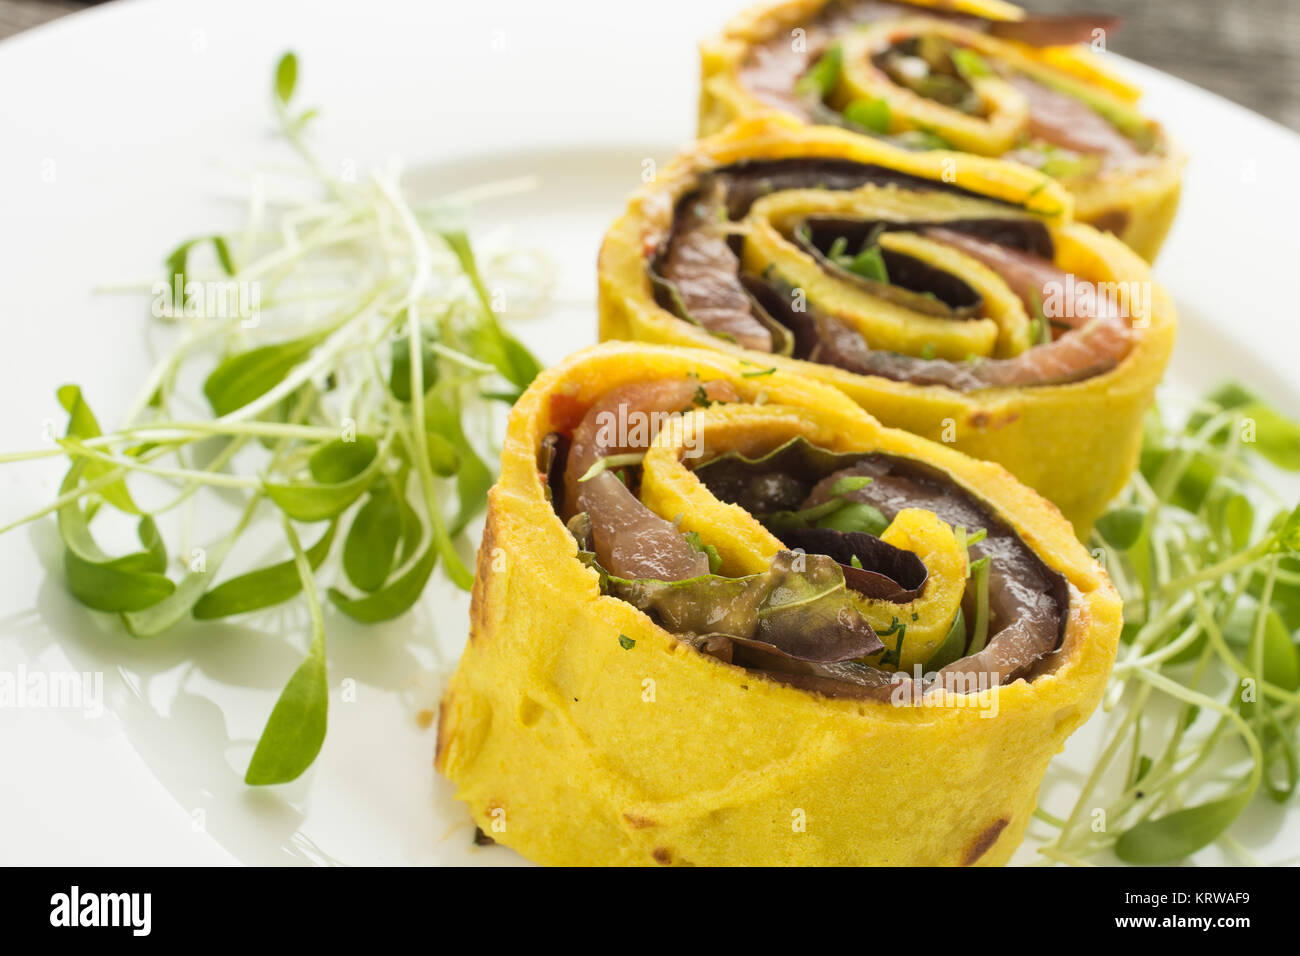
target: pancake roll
<point>722,616</point>
<point>952,297</point>
<point>972,76</point>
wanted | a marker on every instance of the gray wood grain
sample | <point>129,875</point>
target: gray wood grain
<point>1245,50</point>
<point>19,15</point>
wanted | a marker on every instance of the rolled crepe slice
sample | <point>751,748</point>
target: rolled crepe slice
<point>955,300</point>
<point>722,616</point>
<point>966,75</point>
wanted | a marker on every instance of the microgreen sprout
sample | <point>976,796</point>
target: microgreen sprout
<point>601,465</point>
<point>315,412</point>
<point>1205,696</point>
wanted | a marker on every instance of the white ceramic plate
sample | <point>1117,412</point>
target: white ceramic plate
<point>119,135</point>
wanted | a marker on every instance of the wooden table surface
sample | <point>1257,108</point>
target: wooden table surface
<point>1245,50</point>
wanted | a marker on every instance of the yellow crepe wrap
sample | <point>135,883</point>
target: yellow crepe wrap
<point>1136,200</point>
<point>580,732</point>
<point>1076,443</point>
